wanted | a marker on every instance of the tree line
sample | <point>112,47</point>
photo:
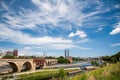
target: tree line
<point>114,58</point>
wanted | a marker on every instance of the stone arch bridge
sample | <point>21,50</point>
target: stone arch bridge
<point>17,64</point>
<point>28,64</point>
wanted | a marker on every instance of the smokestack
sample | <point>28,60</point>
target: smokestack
<point>65,53</point>
<point>68,52</point>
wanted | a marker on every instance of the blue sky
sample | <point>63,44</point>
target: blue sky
<point>87,28</point>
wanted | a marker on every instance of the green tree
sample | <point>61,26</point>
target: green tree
<point>106,58</point>
<point>114,58</point>
<point>62,60</point>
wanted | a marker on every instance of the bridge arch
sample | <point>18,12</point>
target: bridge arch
<point>26,66</point>
<point>14,66</point>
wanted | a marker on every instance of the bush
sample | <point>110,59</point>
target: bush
<point>62,74</point>
<point>95,63</point>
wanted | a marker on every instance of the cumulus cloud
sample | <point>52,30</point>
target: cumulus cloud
<point>79,33</point>
<point>116,30</point>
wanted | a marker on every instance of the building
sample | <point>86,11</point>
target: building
<point>15,53</point>
<point>12,53</point>
<point>49,62</point>
<point>39,62</point>
<point>9,53</point>
<point>70,59</point>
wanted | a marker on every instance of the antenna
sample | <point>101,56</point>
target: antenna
<point>44,54</point>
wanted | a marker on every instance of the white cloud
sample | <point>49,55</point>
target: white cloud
<point>83,40</point>
<point>63,46</point>
<point>117,6</point>
<point>30,47</point>
<point>27,48</point>
<point>4,6</point>
<point>7,34</point>
<point>116,30</point>
<point>29,52</point>
<point>17,36</point>
<point>115,44</point>
<point>84,48</point>
<point>79,33</point>
<point>99,29</point>
<point>49,12</point>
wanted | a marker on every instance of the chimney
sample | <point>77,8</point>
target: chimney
<point>65,53</point>
<point>68,52</point>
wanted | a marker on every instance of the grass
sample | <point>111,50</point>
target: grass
<point>110,72</point>
<point>44,75</point>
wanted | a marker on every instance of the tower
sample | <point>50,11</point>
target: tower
<point>65,53</point>
<point>44,54</point>
<point>68,53</point>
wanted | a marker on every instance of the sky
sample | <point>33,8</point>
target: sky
<point>88,28</point>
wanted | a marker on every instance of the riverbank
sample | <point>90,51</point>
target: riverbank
<point>110,72</point>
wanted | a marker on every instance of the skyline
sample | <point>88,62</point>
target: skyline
<point>87,29</point>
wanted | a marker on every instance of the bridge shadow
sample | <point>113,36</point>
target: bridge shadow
<point>13,66</point>
<point>26,66</point>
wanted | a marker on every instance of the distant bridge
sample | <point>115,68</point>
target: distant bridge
<point>81,65</point>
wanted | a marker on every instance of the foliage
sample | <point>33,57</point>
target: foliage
<point>106,58</point>
<point>8,57</point>
<point>95,63</point>
<point>113,58</point>
<point>62,60</point>
<point>50,57</point>
<point>78,59</point>
<point>116,57</point>
<point>111,72</point>
<point>62,74</point>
